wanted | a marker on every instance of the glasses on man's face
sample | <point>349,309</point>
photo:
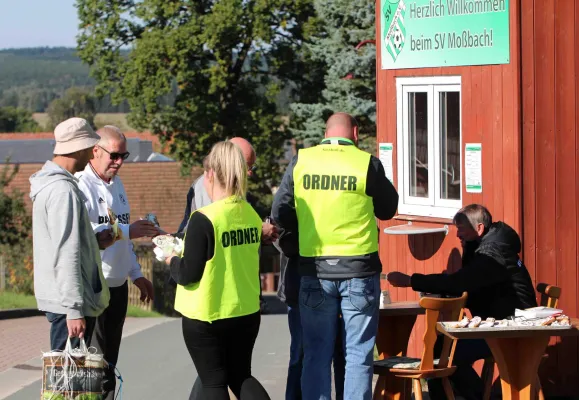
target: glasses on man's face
<point>115,156</point>
<point>252,169</point>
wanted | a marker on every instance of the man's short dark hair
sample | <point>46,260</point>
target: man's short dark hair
<point>474,214</point>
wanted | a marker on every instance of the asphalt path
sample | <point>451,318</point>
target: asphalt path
<point>155,364</point>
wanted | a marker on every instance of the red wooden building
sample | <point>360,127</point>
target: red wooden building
<point>502,84</point>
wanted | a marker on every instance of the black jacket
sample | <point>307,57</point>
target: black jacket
<point>492,274</point>
<point>289,278</point>
<point>385,201</point>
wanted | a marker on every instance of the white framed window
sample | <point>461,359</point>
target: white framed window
<point>429,140</point>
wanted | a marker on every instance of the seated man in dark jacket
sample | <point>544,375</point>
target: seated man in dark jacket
<point>495,279</point>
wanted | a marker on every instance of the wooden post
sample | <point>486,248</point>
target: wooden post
<point>2,273</point>
<point>269,282</point>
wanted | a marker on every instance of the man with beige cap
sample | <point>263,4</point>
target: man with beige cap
<point>68,281</point>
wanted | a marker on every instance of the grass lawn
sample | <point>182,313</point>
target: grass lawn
<point>140,313</point>
<point>9,301</point>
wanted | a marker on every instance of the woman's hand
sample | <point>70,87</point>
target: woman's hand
<point>168,259</point>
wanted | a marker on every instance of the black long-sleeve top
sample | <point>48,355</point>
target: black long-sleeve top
<point>199,248</point>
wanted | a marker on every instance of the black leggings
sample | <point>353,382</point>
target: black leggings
<point>221,352</point>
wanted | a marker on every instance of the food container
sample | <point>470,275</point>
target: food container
<point>385,298</point>
<point>166,245</point>
<point>153,219</point>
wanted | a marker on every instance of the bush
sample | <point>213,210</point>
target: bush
<point>15,238</point>
<point>19,266</point>
<point>17,120</point>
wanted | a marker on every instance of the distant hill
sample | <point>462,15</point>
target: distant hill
<point>32,77</point>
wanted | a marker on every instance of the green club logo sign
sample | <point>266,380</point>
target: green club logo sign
<point>394,39</point>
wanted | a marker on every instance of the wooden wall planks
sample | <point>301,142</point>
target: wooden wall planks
<point>525,115</point>
<point>484,120</point>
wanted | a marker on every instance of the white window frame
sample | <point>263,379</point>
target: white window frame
<point>433,205</point>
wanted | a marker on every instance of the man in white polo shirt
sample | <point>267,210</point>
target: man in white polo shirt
<point>108,206</point>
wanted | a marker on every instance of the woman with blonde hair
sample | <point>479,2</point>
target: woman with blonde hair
<point>218,280</point>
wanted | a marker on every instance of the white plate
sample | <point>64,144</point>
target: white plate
<point>447,327</point>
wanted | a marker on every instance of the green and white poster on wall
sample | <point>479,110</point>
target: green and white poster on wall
<point>444,33</point>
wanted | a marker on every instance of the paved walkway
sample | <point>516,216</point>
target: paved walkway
<point>23,340</point>
<point>153,361</point>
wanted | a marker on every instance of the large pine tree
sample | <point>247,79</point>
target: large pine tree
<point>347,48</point>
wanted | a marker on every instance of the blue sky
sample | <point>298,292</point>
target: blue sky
<point>34,23</point>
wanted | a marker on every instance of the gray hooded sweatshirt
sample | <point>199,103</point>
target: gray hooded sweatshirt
<point>68,278</point>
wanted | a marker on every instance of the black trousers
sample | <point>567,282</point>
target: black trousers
<point>108,334</point>
<point>465,380</point>
<point>221,352</point>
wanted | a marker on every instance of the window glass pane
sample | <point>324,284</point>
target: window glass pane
<point>418,143</point>
<point>450,145</point>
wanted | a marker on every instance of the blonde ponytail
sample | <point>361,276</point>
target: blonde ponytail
<point>229,167</point>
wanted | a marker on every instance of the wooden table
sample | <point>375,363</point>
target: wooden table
<point>517,352</point>
<point>394,328</point>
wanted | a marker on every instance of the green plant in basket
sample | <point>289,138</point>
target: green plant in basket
<point>89,396</point>
<point>53,396</point>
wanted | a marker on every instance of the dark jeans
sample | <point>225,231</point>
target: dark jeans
<point>59,331</point>
<point>465,379</point>
<point>108,334</point>
<point>221,352</point>
<point>293,389</point>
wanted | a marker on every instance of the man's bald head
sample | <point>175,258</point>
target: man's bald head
<point>246,149</point>
<point>342,125</point>
<point>110,134</point>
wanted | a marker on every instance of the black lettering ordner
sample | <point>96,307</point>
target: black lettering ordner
<point>330,182</point>
<point>315,182</point>
<point>239,237</point>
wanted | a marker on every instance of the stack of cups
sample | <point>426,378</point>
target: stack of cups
<point>384,298</point>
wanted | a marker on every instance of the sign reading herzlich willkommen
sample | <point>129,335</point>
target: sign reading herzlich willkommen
<point>443,33</point>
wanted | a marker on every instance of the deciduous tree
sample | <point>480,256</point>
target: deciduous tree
<point>76,102</point>
<point>213,58</point>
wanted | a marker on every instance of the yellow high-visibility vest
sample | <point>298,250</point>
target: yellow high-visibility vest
<point>335,215</point>
<point>230,283</point>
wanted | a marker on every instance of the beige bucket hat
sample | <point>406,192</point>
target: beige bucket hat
<point>74,134</point>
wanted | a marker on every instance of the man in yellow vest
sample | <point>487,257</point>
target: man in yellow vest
<point>330,195</point>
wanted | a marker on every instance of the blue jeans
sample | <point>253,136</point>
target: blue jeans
<point>59,331</point>
<point>321,301</point>
<point>293,389</point>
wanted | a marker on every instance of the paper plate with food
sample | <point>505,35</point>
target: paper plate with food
<point>165,245</point>
<point>558,321</point>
